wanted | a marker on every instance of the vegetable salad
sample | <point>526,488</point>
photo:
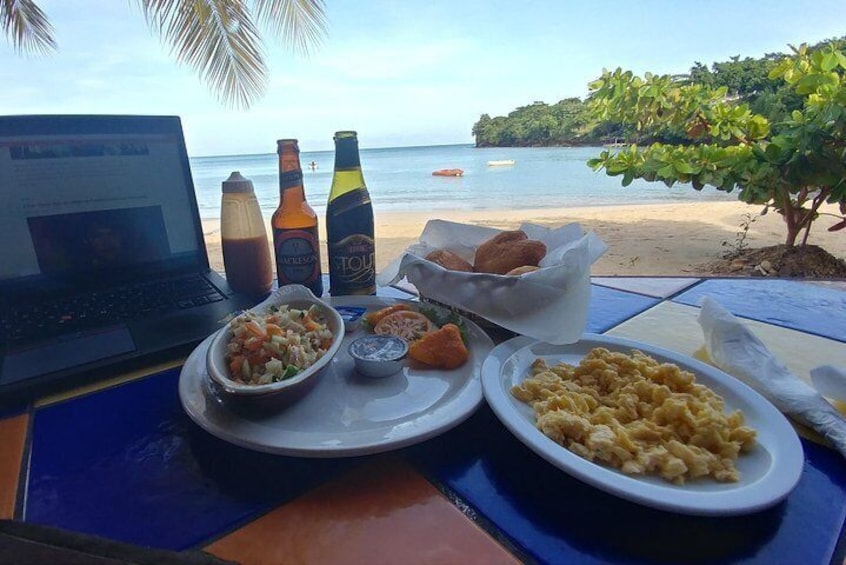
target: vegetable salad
<point>270,348</point>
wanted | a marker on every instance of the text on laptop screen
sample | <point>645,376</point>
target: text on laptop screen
<point>84,196</point>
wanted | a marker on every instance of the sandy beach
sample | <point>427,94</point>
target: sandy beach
<point>662,239</point>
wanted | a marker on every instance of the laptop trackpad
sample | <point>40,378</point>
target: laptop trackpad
<point>66,352</point>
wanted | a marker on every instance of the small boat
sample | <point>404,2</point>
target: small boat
<point>615,143</point>
<point>449,173</point>
<point>501,163</point>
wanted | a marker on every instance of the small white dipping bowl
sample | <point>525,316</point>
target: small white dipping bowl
<point>378,356</point>
<point>282,392</point>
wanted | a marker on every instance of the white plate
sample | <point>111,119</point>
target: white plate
<point>768,473</point>
<point>345,414</point>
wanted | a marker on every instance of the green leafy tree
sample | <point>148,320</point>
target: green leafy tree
<point>219,39</point>
<point>748,80</point>
<point>793,168</point>
<point>572,119</point>
<point>538,124</point>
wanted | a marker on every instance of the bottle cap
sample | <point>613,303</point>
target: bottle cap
<point>282,144</point>
<point>346,150</point>
<point>237,183</point>
<point>347,133</point>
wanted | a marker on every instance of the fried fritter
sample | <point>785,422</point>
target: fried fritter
<point>442,348</point>
<point>449,260</point>
<point>508,250</point>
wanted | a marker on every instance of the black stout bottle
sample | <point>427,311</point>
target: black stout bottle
<point>349,223</point>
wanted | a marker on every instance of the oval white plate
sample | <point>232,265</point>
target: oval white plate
<point>345,414</point>
<point>768,473</point>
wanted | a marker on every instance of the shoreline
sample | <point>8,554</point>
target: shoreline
<point>643,239</point>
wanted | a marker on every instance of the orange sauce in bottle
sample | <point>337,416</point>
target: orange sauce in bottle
<point>248,267</point>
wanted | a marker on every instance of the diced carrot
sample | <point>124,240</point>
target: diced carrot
<point>259,357</point>
<point>273,329</point>
<point>255,328</point>
<point>253,344</point>
<point>235,364</point>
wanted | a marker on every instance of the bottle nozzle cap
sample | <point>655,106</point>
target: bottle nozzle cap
<point>237,183</point>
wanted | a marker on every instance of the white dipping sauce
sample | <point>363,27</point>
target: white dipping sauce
<point>378,355</point>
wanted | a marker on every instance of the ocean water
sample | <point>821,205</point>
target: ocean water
<point>400,179</point>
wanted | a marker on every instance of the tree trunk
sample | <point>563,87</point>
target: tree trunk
<point>788,212</point>
<point>792,234</point>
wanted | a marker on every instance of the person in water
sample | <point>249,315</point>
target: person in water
<point>312,165</point>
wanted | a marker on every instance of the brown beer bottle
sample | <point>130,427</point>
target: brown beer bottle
<point>349,223</point>
<point>295,239</point>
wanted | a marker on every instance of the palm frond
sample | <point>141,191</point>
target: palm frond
<point>26,27</point>
<point>218,39</point>
<point>299,23</point>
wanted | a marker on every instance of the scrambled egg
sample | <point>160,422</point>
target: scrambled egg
<point>637,415</point>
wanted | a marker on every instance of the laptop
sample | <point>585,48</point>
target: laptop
<point>103,265</point>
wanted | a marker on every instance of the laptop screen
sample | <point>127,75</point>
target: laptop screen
<point>95,199</point>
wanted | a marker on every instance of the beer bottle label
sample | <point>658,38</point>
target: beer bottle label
<point>290,179</point>
<point>353,268</point>
<point>297,256</point>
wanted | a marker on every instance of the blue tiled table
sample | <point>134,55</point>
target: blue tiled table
<point>126,463</point>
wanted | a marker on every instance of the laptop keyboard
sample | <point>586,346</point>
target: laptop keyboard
<point>114,305</point>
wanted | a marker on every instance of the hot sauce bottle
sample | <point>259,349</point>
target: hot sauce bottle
<point>246,257</point>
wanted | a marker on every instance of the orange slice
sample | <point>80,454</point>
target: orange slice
<point>405,324</point>
<point>373,318</point>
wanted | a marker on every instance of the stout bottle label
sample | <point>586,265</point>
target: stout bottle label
<point>353,265</point>
<point>298,258</point>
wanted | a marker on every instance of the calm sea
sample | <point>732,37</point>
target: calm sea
<point>400,179</point>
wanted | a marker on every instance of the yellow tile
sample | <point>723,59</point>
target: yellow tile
<point>675,326</point>
<point>13,431</point>
<point>382,512</point>
<point>107,383</point>
<point>668,325</point>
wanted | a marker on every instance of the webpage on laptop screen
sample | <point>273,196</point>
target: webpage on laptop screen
<point>86,203</point>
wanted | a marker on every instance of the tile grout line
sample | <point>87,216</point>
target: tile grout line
<point>476,517</point>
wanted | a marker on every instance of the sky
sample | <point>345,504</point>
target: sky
<point>400,72</point>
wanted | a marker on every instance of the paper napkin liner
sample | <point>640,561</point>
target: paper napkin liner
<point>550,304</point>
